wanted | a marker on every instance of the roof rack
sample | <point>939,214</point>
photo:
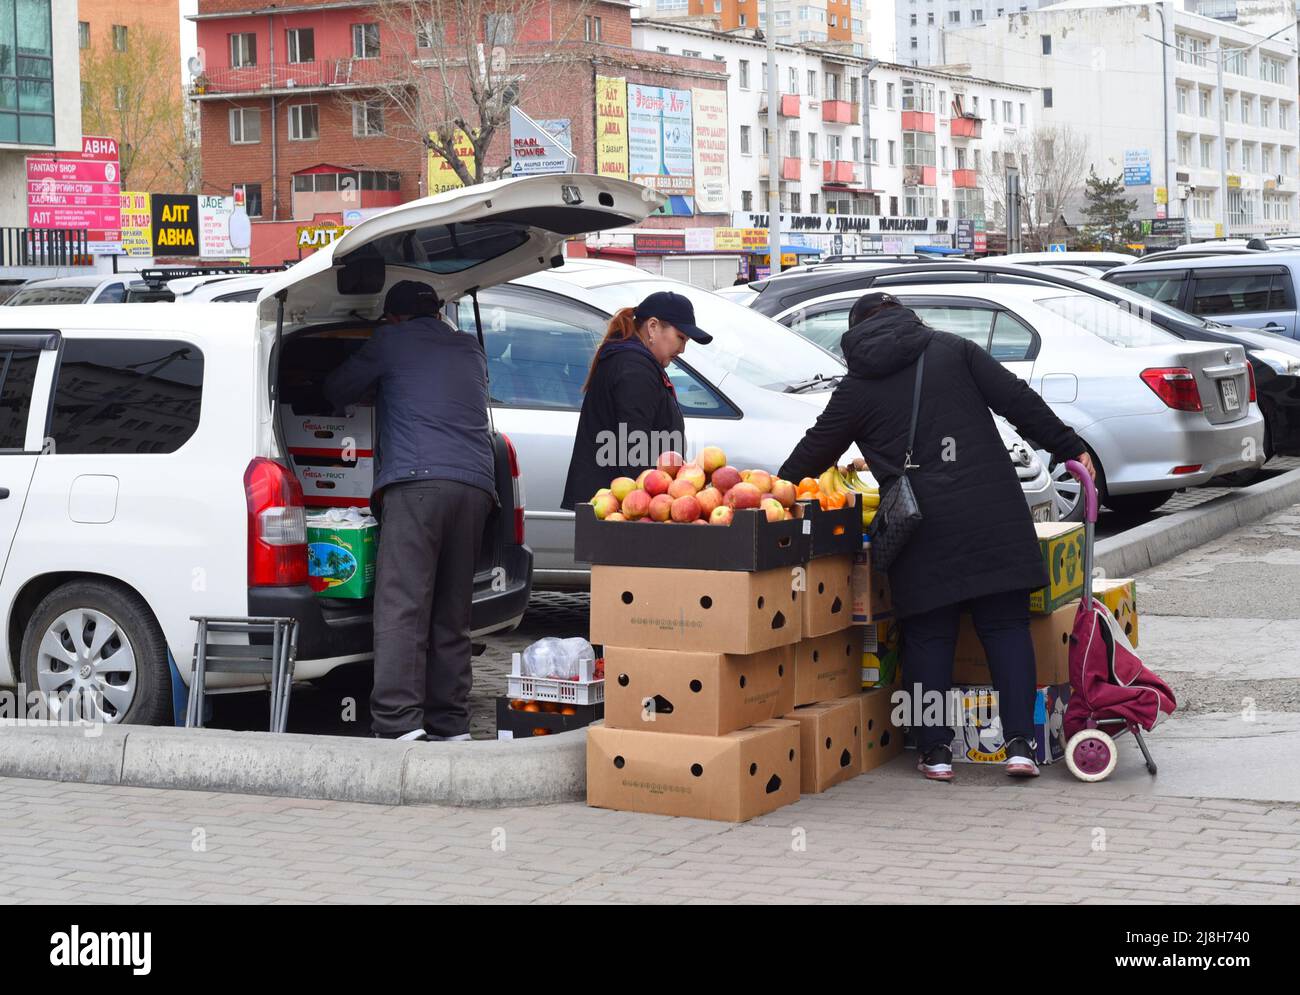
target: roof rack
<point>163,274</point>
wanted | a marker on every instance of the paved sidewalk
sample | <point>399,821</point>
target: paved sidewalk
<point>1221,822</point>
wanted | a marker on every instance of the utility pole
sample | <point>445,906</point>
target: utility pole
<point>1223,143</point>
<point>773,148</point>
<point>866,116</point>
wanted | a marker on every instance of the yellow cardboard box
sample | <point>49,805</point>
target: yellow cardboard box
<point>1120,596</point>
<point>1061,545</point>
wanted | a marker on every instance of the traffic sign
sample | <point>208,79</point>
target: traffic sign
<point>1056,247</point>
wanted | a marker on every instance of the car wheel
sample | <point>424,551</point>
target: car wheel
<point>1069,492</point>
<point>1137,504</point>
<point>1241,478</point>
<point>95,651</point>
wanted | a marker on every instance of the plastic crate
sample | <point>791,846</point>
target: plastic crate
<point>587,691</point>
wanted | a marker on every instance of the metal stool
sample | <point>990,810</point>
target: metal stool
<point>275,659</point>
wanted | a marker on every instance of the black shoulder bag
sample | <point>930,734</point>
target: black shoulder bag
<point>898,515</point>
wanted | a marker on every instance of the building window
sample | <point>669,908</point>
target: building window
<point>1023,118</point>
<point>993,111</point>
<point>243,50</point>
<point>1191,50</point>
<point>1246,111</point>
<point>1207,153</point>
<point>1248,157</point>
<point>893,158</point>
<point>1272,70</point>
<point>1184,150</point>
<point>253,199</point>
<point>1266,113</point>
<point>744,139</point>
<point>1046,41</point>
<point>812,203</point>
<point>796,202</point>
<point>245,126</point>
<point>744,20</point>
<point>83,34</point>
<point>912,21</point>
<point>1266,159</point>
<point>304,122</point>
<point>812,145</point>
<point>1184,99</point>
<point>889,96</point>
<point>743,74</point>
<point>794,145</point>
<point>954,17</point>
<point>365,41</point>
<point>1047,96</point>
<point>747,200</point>
<point>26,83</point>
<point>873,149</point>
<point>119,35</point>
<point>499,29</point>
<point>872,96</point>
<point>1006,111</point>
<point>857,149</point>
<point>1203,204</point>
<point>119,98</point>
<point>368,119</point>
<point>300,44</point>
<point>812,84</point>
<point>428,35</point>
<point>767,147</point>
<point>1204,102</point>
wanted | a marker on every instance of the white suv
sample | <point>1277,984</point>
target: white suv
<point>146,472</point>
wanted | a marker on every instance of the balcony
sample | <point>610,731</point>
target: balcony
<point>787,106</point>
<point>965,178</point>
<point>323,74</point>
<point>918,121</point>
<point>791,168</point>
<point>967,127</point>
<point>840,112</point>
<point>919,176</point>
<point>837,172</point>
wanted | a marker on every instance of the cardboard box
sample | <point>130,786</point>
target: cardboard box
<point>341,559</point>
<point>749,543</point>
<point>826,667</point>
<point>697,694</point>
<point>705,611</point>
<point>871,599</point>
<point>1051,638</point>
<point>882,653</point>
<point>732,778</point>
<point>335,482</point>
<point>828,595</point>
<point>515,723</point>
<point>881,739</point>
<point>975,741</point>
<point>835,532</point>
<point>328,435</point>
<point>1061,546</point>
<point>830,740</point>
<point>1120,596</point>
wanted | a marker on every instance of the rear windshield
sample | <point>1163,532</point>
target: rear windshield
<point>51,295</point>
<point>1108,322</point>
<point>446,248</point>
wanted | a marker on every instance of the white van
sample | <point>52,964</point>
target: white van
<point>145,475</point>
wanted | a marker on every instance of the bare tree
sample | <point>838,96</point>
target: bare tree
<point>464,63</point>
<point>1053,164</point>
<point>135,96</point>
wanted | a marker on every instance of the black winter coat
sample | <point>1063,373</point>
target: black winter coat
<point>631,398</point>
<point>977,536</point>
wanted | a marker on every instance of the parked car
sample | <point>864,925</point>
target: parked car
<point>94,288</point>
<point>164,490</point>
<point>1102,261</point>
<point>753,391</point>
<point>1158,414</point>
<point>1255,289</point>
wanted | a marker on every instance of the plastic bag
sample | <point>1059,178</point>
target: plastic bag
<point>556,658</point>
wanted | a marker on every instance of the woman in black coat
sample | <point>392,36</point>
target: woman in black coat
<point>976,547</point>
<point>630,413</point>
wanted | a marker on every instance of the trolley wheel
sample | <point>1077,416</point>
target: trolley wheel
<point>1091,755</point>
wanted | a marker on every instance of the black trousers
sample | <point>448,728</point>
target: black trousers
<point>1002,623</point>
<point>430,534</point>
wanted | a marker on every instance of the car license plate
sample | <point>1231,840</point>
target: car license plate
<point>1228,391</point>
<point>1042,512</point>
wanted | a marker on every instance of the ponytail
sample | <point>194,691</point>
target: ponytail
<point>622,326</point>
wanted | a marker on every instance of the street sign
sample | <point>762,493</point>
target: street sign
<point>80,191</point>
<point>534,151</point>
<point>1056,247</point>
<point>1169,226</point>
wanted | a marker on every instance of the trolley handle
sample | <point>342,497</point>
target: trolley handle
<point>1076,469</point>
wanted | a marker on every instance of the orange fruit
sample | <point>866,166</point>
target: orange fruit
<point>568,710</point>
<point>531,706</point>
<point>541,732</point>
<point>808,484</point>
<point>517,705</point>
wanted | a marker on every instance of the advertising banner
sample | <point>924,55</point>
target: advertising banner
<point>441,176</point>
<point>709,108</point>
<point>661,145</point>
<point>611,126</point>
<point>80,191</point>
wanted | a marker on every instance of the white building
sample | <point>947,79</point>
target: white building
<point>872,157</point>
<point>920,25</point>
<point>1149,109</point>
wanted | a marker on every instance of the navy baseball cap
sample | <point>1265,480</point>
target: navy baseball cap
<point>411,297</point>
<point>674,309</point>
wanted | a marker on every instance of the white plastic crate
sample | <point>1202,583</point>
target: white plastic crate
<point>586,691</point>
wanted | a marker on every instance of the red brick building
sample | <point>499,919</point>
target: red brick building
<point>284,113</point>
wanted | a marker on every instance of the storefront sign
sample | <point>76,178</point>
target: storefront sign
<point>699,239</point>
<point>175,224</point>
<point>313,237</point>
<point>846,223</point>
<point>1169,226</point>
<point>214,228</point>
<point>137,225</point>
<point>79,191</point>
<point>728,239</point>
<point>709,108</point>
<point>533,152</point>
<point>657,243</point>
<point>611,126</point>
<point>441,175</point>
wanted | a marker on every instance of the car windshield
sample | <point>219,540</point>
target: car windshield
<point>1108,322</point>
<point>50,295</point>
<point>746,343</point>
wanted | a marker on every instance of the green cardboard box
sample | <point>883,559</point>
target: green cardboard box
<point>341,559</point>
<point>1061,546</point>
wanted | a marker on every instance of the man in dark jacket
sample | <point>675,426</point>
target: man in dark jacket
<point>976,546</point>
<point>435,486</point>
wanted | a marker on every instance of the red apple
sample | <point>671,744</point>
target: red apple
<point>681,488</point>
<point>669,463</point>
<point>640,480</point>
<point>616,517</point>
<point>657,482</point>
<point>762,480</point>
<point>743,496</point>
<point>694,474</point>
<point>775,510</point>
<point>785,492</point>
<point>685,508</point>
<point>724,478</point>
<point>722,515</point>
<point>661,508</point>
<point>622,487</point>
<point>709,499</point>
<point>636,505</point>
<point>605,505</point>
<point>711,458</point>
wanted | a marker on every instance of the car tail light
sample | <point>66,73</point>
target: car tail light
<point>277,525</point>
<point>1250,371</point>
<point>518,483</point>
<point>1175,386</point>
<point>1190,468</point>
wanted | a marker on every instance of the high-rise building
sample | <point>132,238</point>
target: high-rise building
<point>920,25</point>
<point>840,23</point>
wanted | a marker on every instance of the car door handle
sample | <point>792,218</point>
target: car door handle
<point>1274,327</point>
<point>4,493</point>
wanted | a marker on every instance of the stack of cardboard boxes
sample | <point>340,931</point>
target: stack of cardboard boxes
<point>711,638</point>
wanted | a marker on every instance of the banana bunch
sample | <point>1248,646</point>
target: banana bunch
<point>838,480</point>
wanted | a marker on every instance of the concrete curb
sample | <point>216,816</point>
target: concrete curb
<point>536,771</point>
<point>1160,540</point>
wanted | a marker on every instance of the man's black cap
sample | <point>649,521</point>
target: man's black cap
<point>867,303</point>
<point>676,310</point>
<point>411,297</point>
